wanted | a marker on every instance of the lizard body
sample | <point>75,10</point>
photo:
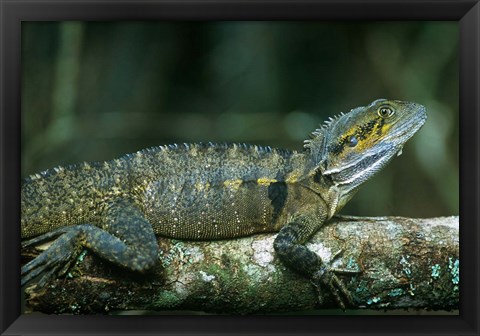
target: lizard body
<point>212,191</point>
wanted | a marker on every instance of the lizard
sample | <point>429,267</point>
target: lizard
<point>209,191</point>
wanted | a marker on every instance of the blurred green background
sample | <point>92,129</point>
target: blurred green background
<point>95,91</point>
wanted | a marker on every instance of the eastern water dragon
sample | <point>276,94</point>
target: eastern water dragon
<point>212,191</point>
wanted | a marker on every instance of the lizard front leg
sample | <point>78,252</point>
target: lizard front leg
<point>288,246</point>
<point>125,238</point>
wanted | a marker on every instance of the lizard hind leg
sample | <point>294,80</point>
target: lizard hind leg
<point>125,239</point>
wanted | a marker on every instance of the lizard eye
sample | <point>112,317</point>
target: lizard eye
<point>386,111</point>
<point>352,141</point>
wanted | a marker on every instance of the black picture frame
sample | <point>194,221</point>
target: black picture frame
<point>13,12</point>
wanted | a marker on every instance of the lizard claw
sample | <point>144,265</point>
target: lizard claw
<point>55,261</point>
<point>325,278</point>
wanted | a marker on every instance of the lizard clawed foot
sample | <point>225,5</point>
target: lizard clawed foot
<point>53,262</point>
<point>325,278</point>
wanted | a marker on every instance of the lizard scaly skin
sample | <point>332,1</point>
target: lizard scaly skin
<point>212,191</point>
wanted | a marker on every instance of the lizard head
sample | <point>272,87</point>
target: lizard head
<point>353,146</point>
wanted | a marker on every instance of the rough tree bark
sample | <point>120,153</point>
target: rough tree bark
<point>403,263</point>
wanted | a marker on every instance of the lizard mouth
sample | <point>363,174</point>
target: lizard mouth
<point>408,129</point>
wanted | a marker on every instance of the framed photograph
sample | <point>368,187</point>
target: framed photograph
<point>280,164</point>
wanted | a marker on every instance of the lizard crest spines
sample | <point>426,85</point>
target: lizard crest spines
<point>186,148</point>
<point>316,138</point>
<point>61,170</point>
<point>210,145</point>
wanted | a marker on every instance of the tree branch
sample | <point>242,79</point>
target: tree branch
<point>403,263</point>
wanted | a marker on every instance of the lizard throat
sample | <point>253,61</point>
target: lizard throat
<point>353,174</point>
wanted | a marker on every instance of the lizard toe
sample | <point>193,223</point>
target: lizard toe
<point>51,263</point>
<point>326,279</point>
